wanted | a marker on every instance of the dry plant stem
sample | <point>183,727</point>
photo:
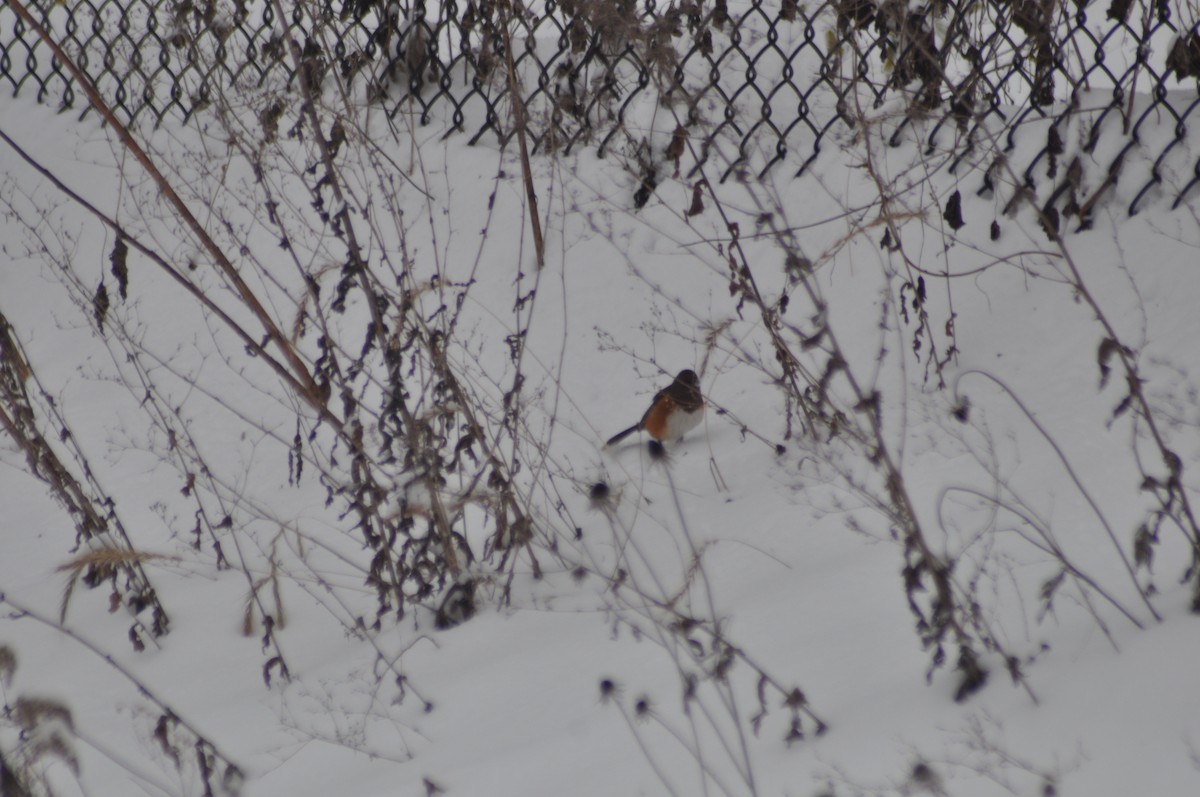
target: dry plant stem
<point>184,438</point>
<point>193,467</point>
<point>139,772</point>
<point>887,215</point>
<point>1047,544</point>
<point>1014,259</point>
<point>723,686</point>
<point>945,614</point>
<point>667,637</point>
<point>1171,461</point>
<point>432,340</point>
<point>45,464</point>
<point>518,105</point>
<point>441,520</point>
<point>299,370</point>
<point>250,342</point>
<point>88,511</point>
<point>21,611</point>
<point>1066,463</point>
<point>1185,516</point>
<point>793,369</point>
<point>1147,11</point>
<point>690,745</point>
<point>658,771</point>
<point>211,526</point>
<point>946,608</point>
<point>711,628</point>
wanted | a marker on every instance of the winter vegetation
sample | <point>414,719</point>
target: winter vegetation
<point>306,377</point>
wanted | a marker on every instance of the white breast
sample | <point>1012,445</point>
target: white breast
<point>680,423</point>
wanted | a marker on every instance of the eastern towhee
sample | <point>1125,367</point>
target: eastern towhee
<point>676,409</point>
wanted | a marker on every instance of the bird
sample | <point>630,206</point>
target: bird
<point>675,410</point>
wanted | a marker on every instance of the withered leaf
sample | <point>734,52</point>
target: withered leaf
<point>697,206</point>
<point>676,147</point>
<point>100,305</point>
<point>953,211</point>
<point>120,270</point>
<point>1049,221</point>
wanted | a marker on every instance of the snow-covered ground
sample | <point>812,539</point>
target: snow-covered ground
<point>580,675</point>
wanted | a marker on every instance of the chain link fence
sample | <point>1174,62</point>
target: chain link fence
<point>775,78</point>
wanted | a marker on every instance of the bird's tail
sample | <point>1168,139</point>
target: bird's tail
<point>619,436</point>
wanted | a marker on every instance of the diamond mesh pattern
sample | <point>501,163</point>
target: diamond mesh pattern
<point>774,76</point>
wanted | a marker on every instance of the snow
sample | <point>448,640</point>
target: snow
<point>799,568</point>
